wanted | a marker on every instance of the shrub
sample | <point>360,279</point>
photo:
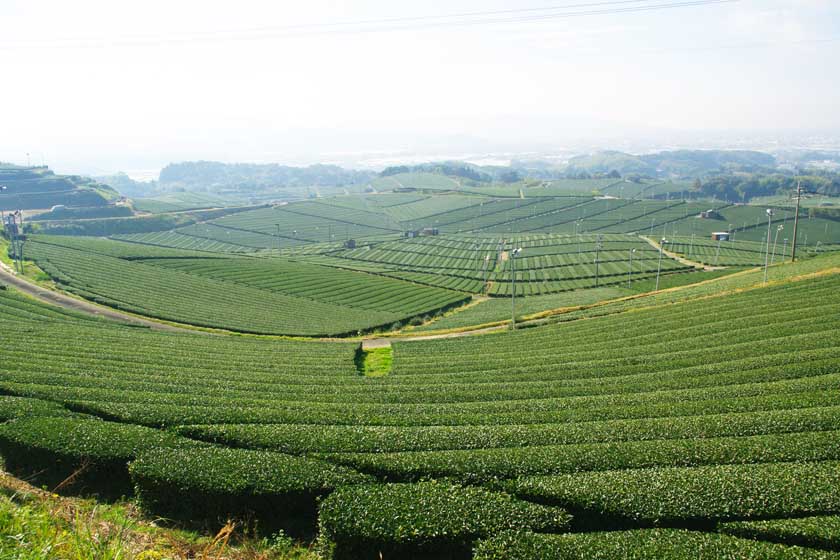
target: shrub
<point>691,496</point>
<point>435,518</point>
<point>652,544</point>
<point>20,407</point>
<point>479,465</point>
<point>821,531</point>
<point>94,452</point>
<point>212,484</point>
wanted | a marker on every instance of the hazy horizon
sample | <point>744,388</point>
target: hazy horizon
<point>106,86</point>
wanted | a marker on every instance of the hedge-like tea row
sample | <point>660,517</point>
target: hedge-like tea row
<point>431,517</point>
<point>692,495</point>
<point>645,544</point>
<point>822,531</point>
<point>309,438</point>
<point>23,407</point>
<point>486,464</point>
<point>212,484</point>
<point>96,453</point>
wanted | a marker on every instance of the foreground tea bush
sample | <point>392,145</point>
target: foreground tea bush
<point>822,531</point>
<point>691,495</point>
<point>646,544</point>
<point>88,455</point>
<point>212,484</point>
<point>23,407</point>
<point>439,518</point>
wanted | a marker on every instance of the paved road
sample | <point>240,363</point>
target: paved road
<point>67,302</point>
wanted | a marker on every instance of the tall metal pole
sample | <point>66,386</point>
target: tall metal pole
<point>486,265</point>
<point>513,254</point>
<point>597,260</point>
<point>630,269</point>
<point>767,249</point>
<point>278,236</point>
<point>784,249</point>
<point>513,290</point>
<point>3,188</point>
<point>16,242</point>
<point>20,241</point>
<point>796,221</point>
<point>775,242</point>
<point>659,266</point>
<point>717,253</point>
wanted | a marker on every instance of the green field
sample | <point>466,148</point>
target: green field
<point>264,296</point>
<point>180,201</point>
<point>546,264</point>
<point>499,309</point>
<point>647,407</point>
<point>634,416</point>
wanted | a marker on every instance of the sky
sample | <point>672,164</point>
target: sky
<point>97,86</point>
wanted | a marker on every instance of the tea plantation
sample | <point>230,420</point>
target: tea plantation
<point>700,421</point>
<point>262,296</point>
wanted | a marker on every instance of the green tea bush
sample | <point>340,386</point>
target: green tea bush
<point>312,438</point>
<point>822,531</point>
<point>645,544</point>
<point>83,454</point>
<point>23,407</point>
<point>480,465</point>
<point>212,484</point>
<point>433,518</point>
<point>691,496</point>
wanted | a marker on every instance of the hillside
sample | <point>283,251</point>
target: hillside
<point>631,420</point>
<point>29,188</point>
<point>679,163</point>
<point>193,185</point>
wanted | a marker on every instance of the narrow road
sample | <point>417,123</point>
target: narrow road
<point>678,258</point>
<point>369,343</point>
<point>7,276</point>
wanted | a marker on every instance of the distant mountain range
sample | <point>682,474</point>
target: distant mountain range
<point>265,182</point>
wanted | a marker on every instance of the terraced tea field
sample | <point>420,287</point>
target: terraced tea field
<point>546,264</point>
<point>263,296</point>
<point>706,417</point>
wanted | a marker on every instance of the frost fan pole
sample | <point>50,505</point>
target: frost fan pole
<point>513,287</point>
<point>796,220</point>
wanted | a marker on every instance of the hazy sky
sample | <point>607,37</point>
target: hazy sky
<point>108,84</point>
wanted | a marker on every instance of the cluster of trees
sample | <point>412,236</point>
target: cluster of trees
<point>476,173</point>
<point>745,186</point>
<point>677,163</point>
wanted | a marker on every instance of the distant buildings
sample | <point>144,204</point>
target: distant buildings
<point>425,232</point>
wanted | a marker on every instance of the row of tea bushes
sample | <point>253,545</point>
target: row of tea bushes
<point>644,544</point>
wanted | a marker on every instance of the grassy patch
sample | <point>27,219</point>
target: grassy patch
<point>35,524</point>
<point>374,362</point>
<point>31,271</point>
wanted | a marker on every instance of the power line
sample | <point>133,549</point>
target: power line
<point>496,17</point>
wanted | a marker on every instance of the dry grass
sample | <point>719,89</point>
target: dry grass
<point>34,521</point>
